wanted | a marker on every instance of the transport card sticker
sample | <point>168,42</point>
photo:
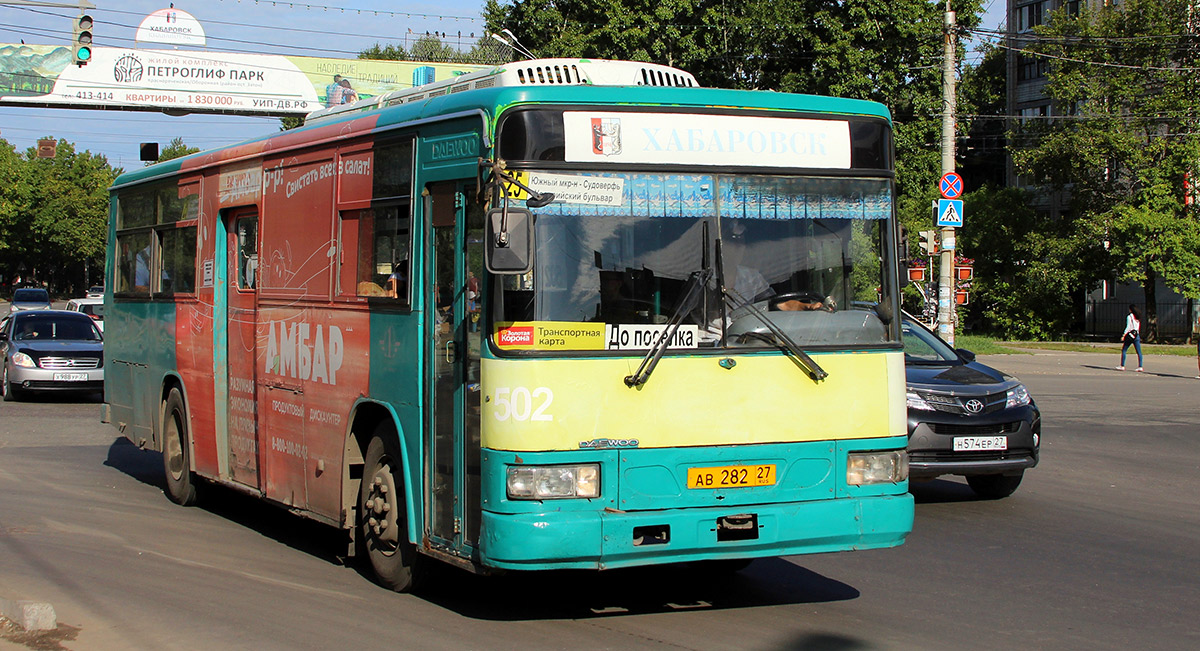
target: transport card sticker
<point>566,335</point>
<point>550,335</point>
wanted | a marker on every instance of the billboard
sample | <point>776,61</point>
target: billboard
<point>202,82</point>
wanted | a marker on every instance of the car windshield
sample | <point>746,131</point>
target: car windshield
<point>31,296</point>
<point>615,251</point>
<point>922,346</point>
<point>55,328</point>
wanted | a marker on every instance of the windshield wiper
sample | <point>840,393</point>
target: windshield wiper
<point>809,365</point>
<point>687,302</point>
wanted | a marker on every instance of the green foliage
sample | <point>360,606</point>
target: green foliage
<point>1127,152</point>
<point>290,122</point>
<point>53,215</point>
<point>1023,268</point>
<point>429,47</point>
<point>175,149</point>
<point>883,50</point>
<point>982,107</point>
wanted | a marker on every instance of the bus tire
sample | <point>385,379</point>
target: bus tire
<point>383,514</point>
<point>994,487</point>
<point>181,481</point>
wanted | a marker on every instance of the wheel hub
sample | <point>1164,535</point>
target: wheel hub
<point>379,510</point>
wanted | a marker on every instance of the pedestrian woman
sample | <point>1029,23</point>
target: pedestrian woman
<point>1132,336</point>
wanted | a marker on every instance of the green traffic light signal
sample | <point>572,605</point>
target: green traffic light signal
<point>83,39</point>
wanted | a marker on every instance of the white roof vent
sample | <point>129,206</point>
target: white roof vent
<point>538,72</point>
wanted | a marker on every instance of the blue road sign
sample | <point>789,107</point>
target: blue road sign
<point>949,212</point>
<point>951,185</point>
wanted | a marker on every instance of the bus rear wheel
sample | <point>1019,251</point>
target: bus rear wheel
<point>383,514</point>
<point>177,463</point>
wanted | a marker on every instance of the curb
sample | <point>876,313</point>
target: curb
<point>29,615</point>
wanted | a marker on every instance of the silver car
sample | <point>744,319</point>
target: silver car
<point>29,298</point>
<point>50,350</point>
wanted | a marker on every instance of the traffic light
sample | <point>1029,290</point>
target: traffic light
<point>929,242</point>
<point>82,44</point>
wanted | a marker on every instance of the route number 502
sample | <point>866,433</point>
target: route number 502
<point>519,403</point>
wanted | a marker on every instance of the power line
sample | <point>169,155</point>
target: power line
<point>359,10</point>
<point>459,41</point>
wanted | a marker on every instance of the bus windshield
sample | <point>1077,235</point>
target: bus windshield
<point>616,250</point>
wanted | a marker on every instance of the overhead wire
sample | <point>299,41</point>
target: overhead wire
<point>99,34</point>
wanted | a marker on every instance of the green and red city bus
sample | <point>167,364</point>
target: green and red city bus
<point>557,314</point>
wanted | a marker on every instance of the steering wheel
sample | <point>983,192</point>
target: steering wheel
<point>804,297</point>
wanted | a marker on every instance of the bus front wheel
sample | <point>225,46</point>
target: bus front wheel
<point>383,519</point>
<point>181,483</point>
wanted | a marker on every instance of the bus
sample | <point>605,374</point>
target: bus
<point>559,314</point>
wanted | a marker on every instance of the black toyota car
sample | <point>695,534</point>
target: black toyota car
<point>965,418</point>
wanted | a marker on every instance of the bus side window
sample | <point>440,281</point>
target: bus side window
<point>247,231</point>
<point>382,259</point>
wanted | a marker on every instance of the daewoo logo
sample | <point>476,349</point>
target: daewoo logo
<point>518,336</point>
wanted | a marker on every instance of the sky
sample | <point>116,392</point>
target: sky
<point>319,28</point>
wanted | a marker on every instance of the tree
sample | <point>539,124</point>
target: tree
<point>175,149</point>
<point>883,50</point>
<point>1128,76</point>
<point>1022,276</point>
<point>62,226</point>
<point>15,236</point>
<point>982,143</point>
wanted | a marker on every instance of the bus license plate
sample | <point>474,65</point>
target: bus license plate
<point>70,377</point>
<point>971,443</point>
<point>732,476</point>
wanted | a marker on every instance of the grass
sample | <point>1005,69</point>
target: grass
<point>982,345</point>
<point>1084,347</point>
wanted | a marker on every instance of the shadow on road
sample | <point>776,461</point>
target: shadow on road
<point>582,594</point>
<point>576,593</point>
<point>942,491</point>
<point>1130,371</point>
<point>144,466</point>
<point>251,512</point>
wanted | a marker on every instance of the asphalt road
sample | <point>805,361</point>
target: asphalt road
<point>1097,550</point>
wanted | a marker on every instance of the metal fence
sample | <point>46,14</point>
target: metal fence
<point>1176,321</point>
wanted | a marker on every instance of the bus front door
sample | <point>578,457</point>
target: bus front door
<point>241,353</point>
<point>453,299</point>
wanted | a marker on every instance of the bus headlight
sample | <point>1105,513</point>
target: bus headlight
<point>23,360</point>
<point>553,482</point>
<point>887,467</point>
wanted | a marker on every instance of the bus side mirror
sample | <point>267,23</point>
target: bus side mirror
<point>509,241</point>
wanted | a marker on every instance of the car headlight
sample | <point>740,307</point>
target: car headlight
<point>1018,396</point>
<point>915,401</point>
<point>553,482</point>
<point>23,360</point>
<point>886,467</point>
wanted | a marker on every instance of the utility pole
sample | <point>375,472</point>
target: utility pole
<point>946,287</point>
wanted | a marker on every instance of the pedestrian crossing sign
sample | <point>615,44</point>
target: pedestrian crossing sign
<point>949,212</point>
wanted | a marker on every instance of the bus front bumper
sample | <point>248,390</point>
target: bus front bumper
<point>611,539</point>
